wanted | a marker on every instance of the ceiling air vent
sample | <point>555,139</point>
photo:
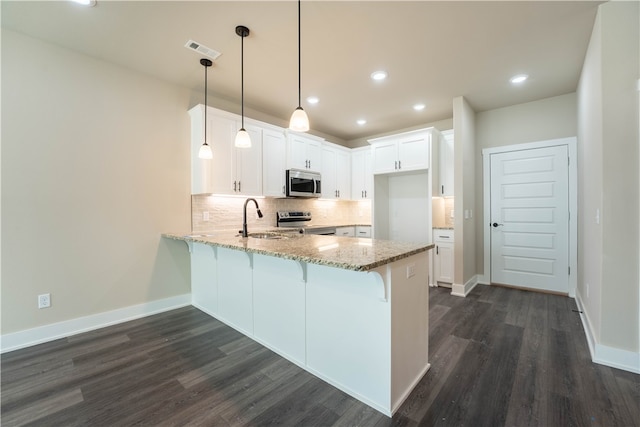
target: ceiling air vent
<point>202,50</point>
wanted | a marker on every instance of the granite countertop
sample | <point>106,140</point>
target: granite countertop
<point>349,253</point>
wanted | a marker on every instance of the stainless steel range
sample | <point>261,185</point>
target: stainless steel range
<point>302,221</point>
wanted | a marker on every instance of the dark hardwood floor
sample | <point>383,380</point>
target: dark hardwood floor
<point>498,357</point>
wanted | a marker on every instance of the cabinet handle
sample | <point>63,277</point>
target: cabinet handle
<point>362,193</point>
<point>338,194</point>
<point>443,189</point>
<point>395,165</point>
<point>234,186</point>
<point>437,251</point>
<point>283,189</point>
<point>239,186</point>
<point>399,164</point>
<point>365,193</point>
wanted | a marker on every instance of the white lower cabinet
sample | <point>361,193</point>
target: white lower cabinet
<point>346,231</point>
<point>325,319</point>
<point>363,231</point>
<point>443,261</point>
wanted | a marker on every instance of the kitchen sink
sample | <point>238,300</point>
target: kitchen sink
<point>271,235</point>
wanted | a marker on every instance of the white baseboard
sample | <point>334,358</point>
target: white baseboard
<point>605,355</point>
<point>42,334</point>
<point>463,290</point>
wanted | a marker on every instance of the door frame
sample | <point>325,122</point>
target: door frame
<point>571,144</point>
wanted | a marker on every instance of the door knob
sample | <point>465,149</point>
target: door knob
<point>495,224</point>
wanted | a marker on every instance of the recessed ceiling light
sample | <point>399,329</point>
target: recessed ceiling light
<point>418,107</point>
<point>362,122</point>
<point>518,79</point>
<point>379,75</point>
<point>313,100</point>
<point>89,3</point>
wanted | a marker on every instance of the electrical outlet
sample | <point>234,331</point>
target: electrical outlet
<point>44,300</point>
<point>205,216</point>
<point>411,270</point>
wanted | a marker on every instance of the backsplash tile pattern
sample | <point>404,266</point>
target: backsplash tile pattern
<point>225,212</point>
<point>442,208</point>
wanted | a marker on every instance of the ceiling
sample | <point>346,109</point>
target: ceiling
<point>432,51</point>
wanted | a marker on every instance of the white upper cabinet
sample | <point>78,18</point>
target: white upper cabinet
<point>247,163</point>
<point>336,172</point>
<point>409,151</point>
<point>361,174</point>
<point>232,170</point>
<point>274,164</point>
<point>446,164</point>
<point>304,152</point>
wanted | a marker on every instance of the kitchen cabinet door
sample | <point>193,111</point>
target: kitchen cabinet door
<point>231,170</point>
<point>443,259</point>
<point>385,157</point>
<point>304,153</point>
<point>363,231</point>
<point>274,153</point>
<point>248,164</point>
<point>446,164</point>
<point>329,173</point>
<point>362,174</point>
<point>222,132</point>
<point>345,231</point>
<point>343,174</point>
<point>404,152</point>
<point>336,172</point>
<point>413,152</point>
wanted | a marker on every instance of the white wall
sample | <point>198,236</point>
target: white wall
<point>95,166</point>
<point>541,120</point>
<point>464,128</point>
<point>608,141</point>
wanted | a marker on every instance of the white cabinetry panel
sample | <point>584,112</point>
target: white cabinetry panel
<point>274,163</point>
<point>279,305</point>
<point>235,289</point>
<point>404,152</point>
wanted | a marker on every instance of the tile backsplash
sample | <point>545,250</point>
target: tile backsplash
<point>225,212</point>
<point>442,208</point>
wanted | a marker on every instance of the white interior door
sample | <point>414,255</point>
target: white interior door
<point>529,221</point>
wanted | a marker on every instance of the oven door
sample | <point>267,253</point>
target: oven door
<point>302,183</point>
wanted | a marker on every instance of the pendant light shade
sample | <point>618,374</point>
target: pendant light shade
<point>243,140</point>
<point>205,149</point>
<point>299,121</point>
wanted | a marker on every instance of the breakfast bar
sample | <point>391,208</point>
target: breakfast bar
<point>351,311</point>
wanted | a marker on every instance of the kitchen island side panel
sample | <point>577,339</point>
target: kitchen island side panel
<point>409,325</point>
<point>348,332</point>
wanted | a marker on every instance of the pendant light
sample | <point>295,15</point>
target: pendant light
<point>205,150</point>
<point>243,140</point>
<point>299,120</point>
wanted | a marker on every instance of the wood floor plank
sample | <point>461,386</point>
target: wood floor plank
<point>498,357</point>
<point>41,408</point>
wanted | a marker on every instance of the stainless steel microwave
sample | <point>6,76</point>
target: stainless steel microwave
<point>303,183</point>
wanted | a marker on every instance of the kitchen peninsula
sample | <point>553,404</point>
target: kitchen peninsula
<point>351,311</point>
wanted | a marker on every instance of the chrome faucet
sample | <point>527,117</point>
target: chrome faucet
<point>244,217</point>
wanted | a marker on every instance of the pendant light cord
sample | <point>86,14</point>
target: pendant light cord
<point>299,61</point>
<point>205,103</point>
<point>242,76</point>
